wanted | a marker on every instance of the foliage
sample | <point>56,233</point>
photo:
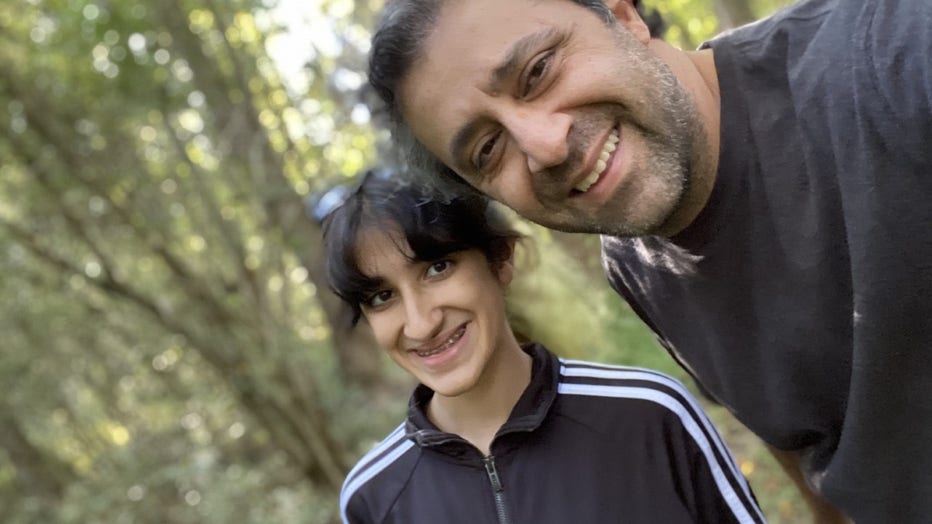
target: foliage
<point>166,347</point>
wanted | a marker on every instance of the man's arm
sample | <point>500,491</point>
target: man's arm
<point>822,511</point>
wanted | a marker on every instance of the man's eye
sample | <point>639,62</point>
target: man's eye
<point>537,72</point>
<point>485,153</point>
<point>438,267</point>
<point>378,299</point>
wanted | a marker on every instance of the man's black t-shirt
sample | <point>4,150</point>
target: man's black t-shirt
<point>801,297</point>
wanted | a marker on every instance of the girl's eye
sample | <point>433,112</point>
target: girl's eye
<point>379,299</point>
<point>438,268</point>
<point>538,70</point>
<point>485,153</point>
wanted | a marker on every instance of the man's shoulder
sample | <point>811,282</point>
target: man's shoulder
<point>832,25</point>
<point>793,18</point>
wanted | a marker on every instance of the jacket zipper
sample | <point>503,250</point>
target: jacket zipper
<point>497,489</point>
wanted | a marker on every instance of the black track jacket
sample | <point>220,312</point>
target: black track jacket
<point>585,444</point>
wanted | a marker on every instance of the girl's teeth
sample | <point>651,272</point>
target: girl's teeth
<point>449,342</point>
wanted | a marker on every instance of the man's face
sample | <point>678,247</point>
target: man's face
<point>574,124</point>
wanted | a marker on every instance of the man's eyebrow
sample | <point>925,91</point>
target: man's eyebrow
<point>516,56</point>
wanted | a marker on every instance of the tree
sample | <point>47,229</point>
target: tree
<point>152,190</point>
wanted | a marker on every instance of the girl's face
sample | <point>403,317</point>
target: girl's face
<point>441,320</point>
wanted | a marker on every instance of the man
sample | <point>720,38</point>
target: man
<point>764,203</point>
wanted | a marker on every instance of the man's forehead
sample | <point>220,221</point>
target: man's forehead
<point>476,41</point>
<point>478,25</point>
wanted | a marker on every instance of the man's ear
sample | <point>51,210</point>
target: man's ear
<point>628,16</point>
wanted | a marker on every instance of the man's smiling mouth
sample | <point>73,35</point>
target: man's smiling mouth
<point>605,156</point>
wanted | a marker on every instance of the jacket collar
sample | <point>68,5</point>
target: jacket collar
<point>528,414</point>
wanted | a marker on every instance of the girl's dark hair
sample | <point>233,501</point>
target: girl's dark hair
<point>432,227</point>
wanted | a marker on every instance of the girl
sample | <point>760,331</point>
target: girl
<point>497,431</point>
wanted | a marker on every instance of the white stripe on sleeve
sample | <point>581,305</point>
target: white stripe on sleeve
<point>690,422</point>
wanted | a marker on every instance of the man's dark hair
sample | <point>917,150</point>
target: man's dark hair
<point>404,27</point>
<point>433,228</point>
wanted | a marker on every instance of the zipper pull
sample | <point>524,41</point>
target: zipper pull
<point>493,473</point>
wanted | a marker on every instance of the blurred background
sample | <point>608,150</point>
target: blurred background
<point>169,352</point>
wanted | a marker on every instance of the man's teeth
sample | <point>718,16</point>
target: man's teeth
<point>610,145</point>
<point>458,334</point>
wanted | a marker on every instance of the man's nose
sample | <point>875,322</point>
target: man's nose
<point>423,319</point>
<point>543,137</point>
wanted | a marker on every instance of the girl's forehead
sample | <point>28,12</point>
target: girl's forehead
<point>382,251</point>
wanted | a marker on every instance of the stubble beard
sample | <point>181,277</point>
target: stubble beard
<point>654,186</point>
<point>672,131</point>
